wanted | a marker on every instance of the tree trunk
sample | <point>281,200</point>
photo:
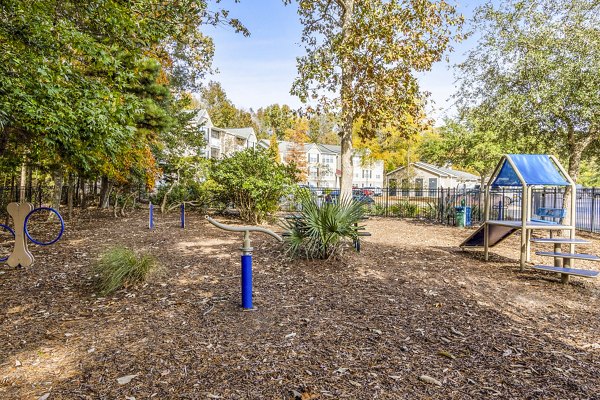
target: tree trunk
<point>163,204</point>
<point>105,187</point>
<point>29,184</point>
<point>70,194</point>
<point>347,115</point>
<point>57,176</point>
<point>576,149</point>
<point>83,198</point>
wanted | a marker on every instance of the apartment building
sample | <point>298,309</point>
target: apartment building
<point>323,165</point>
<point>221,142</point>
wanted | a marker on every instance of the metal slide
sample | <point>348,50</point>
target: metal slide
<point>497,234</point>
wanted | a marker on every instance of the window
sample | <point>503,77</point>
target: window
<point>214,134</point>
<point>328,160</point>
<point>367,174</point>
<point>214,152</point>
<point>377,176</point>
<point>313,158</point>
<point>419,187</point>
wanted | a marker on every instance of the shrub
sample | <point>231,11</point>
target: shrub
<point>321,230</point>
<point>120,267</point>
<point>253,182</point>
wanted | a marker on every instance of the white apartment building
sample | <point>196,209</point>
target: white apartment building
<point>222,142</point>
<point>323,165</point>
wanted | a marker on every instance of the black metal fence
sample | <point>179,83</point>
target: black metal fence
<point>440,205</point>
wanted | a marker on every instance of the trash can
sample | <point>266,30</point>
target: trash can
<point>467,216</point>
<point>460,216</point>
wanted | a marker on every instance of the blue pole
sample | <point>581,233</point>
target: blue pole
<point>247,281</point>
<point>182,215</point>
<point>151,217</point>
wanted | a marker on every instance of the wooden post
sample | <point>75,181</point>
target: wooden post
<point>524,215</point>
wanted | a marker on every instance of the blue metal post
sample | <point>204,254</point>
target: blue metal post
<point>247,281</point>
<point>151,217</point>
<point>182,215</point>
<point>247,272</point>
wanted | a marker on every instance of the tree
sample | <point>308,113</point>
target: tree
<point>222,111</point>
<point>84,84</point>
<point>274,148</point>
<point>395,147</point>
<point>275,119</point>
<point>296,156</point>
<point>361,57</point>
<point>534,77</point>
<point>321,129</point>
<point>466,146</point>
<point>253,182</point>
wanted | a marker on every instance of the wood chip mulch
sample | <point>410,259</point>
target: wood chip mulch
<point>411,316</point>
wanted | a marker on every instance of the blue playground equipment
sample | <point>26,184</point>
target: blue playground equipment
<point>529,171</point>
<point>151,216</point>
<point>246,256</point>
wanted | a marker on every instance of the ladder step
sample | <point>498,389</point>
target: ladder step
<point>560,240</point>
<point>574,256</point>
<point>586,273</point>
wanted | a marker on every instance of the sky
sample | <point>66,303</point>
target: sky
<point>257,71</point>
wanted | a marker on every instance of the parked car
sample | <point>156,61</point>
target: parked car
<point>357,195</point>
<point>374,191</point>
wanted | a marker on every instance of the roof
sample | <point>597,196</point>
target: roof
<point>243,133</point>
<point>440,171</point>
<point>529,169</point>
<point>202,118</point>
<point>330,149</point>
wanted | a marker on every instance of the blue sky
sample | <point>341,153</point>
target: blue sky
<point>257,71</point>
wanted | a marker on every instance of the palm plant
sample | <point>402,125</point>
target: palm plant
<point>321,230</point>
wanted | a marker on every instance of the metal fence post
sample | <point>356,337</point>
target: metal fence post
<point>387,202</point>
<point>593,210</point>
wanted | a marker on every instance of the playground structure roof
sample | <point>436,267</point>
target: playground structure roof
<point>529,170</point>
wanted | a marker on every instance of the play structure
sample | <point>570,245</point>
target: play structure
<point>21,214</point>
<point>246,256</point>
<point>529,171</point>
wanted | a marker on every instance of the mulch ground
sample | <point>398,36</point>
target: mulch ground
<point>411,316</point>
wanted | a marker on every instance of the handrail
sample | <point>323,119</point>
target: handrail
<point>244,229</point>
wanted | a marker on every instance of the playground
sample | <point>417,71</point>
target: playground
<point>411,316</point>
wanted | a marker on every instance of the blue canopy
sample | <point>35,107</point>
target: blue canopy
<point>536,169</point>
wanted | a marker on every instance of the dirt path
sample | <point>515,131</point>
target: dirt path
<point>366,327</point>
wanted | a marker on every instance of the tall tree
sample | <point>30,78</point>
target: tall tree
<point>464,145</point>
<point>71,76</point>
<point>276,119</point>
<point>361,57</point>
<point>534,74</point>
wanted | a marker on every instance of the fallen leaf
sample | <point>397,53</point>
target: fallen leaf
<point>429,379</point>
<point>44,396</point>
<point>18,363</point>
<point>290,335</point>
<point>126,379</point>
<point>446,354</point>
<point>395,377</point>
